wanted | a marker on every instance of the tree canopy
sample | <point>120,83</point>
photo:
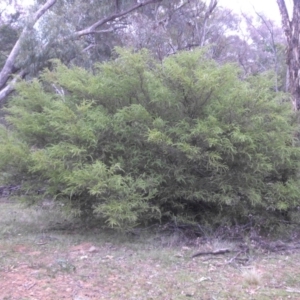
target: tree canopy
<point>84,32</point>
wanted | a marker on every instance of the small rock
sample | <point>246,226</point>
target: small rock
<point>178,255</point>
<point>93,249</point>
<point>81,298</point>
<point>184,248</point>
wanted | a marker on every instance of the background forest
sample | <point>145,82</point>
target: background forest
<point>138,112</point>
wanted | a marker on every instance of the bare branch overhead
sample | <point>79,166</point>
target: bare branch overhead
<point>7,85</point>
<point>112,17</point>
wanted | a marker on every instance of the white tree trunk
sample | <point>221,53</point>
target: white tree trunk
<point>292,32</point>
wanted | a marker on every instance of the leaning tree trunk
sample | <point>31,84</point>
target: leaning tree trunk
<point>6,74</point>
<point>292,32</point>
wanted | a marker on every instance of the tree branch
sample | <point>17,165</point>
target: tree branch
<point>112,17</point>
<point>273,45</point>
<point>212,5</point>
<point>9,63</point>
<point>10,87</point>
<point>7,70</point>
<point>286,24</point>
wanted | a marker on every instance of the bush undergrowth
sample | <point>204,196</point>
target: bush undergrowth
<point>141,141</point>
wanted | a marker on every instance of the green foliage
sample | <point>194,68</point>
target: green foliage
<point>140,141</point>
<point>8,37</point>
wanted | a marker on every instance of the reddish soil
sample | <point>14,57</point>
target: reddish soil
<point>39,281</point>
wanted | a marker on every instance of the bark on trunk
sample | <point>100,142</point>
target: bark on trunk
<point>292,32</point>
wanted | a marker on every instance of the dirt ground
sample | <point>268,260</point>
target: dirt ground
<point>40,263</point>
<point>44,277</point>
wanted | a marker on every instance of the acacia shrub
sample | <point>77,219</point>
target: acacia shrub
<point>142,140</point>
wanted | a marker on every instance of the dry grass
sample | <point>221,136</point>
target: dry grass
<point>251,276</point>
<point>37,262</point>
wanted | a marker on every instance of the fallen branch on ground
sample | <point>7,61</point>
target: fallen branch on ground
<point>216,252</point>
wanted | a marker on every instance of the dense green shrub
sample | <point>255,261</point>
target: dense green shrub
<point>140,141</point>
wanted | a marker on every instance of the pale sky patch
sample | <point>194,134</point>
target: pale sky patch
<point>268,7</point>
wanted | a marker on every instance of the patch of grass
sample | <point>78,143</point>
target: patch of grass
<point>17,219</point>
<point>252,276</point>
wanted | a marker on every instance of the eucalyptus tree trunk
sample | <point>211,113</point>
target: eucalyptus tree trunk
<point>291,28</point>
